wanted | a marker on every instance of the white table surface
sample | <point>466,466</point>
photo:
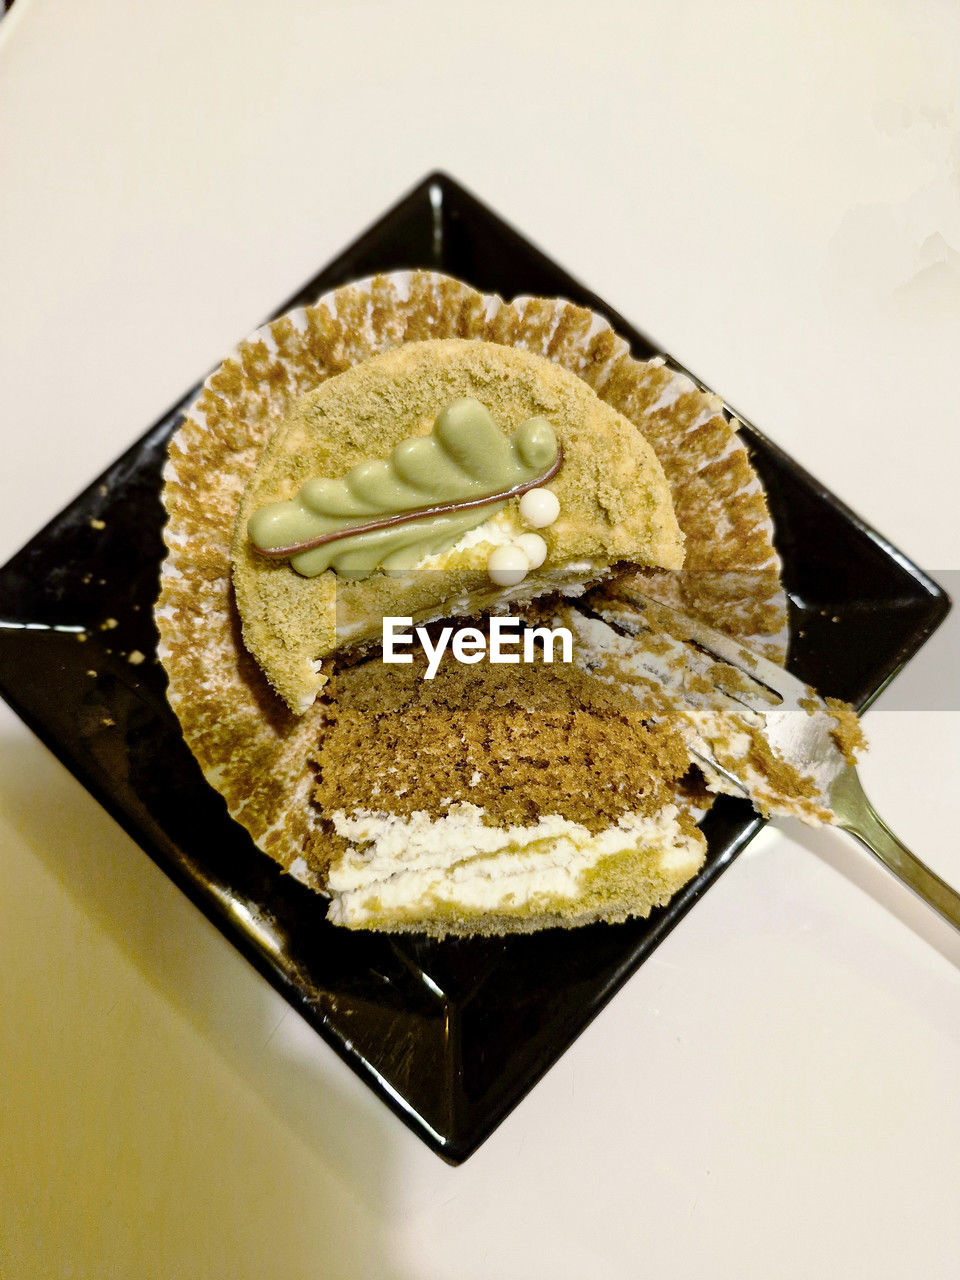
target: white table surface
<point>773,192</point>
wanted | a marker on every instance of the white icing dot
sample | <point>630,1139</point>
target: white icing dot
<point>539,507</point>
<point>507,566</point>
<point>533,547</point>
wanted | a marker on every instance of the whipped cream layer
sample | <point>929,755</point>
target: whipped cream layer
<point>420,865</point>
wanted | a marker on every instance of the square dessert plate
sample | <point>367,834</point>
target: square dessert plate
<point>450,1034</point>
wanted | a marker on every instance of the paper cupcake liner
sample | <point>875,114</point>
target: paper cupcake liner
<point>250,748</point>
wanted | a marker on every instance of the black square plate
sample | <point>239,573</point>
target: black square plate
<point>451,1035</point>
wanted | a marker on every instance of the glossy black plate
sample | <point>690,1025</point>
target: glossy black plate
<point>451,1035</point>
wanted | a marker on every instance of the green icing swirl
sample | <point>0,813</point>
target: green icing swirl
<point>464,458</point>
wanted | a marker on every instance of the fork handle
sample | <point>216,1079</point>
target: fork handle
<point>858,816</point>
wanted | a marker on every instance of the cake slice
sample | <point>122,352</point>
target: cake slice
<point>373,500</point>
<point>495,800</point>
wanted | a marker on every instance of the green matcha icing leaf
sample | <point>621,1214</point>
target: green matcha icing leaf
<point>412,504</point>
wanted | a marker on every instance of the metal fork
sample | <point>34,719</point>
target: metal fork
<point>797,723</point>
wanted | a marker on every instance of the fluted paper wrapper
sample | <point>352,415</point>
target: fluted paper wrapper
<point>249,746</point>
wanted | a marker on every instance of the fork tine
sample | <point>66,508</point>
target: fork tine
<point>711,765</point>
<point>779,681</point>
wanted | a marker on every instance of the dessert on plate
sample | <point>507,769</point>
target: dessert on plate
<point>330,475</point>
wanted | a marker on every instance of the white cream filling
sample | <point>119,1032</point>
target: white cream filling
<point>499,531</point>
<point>416,863</point>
